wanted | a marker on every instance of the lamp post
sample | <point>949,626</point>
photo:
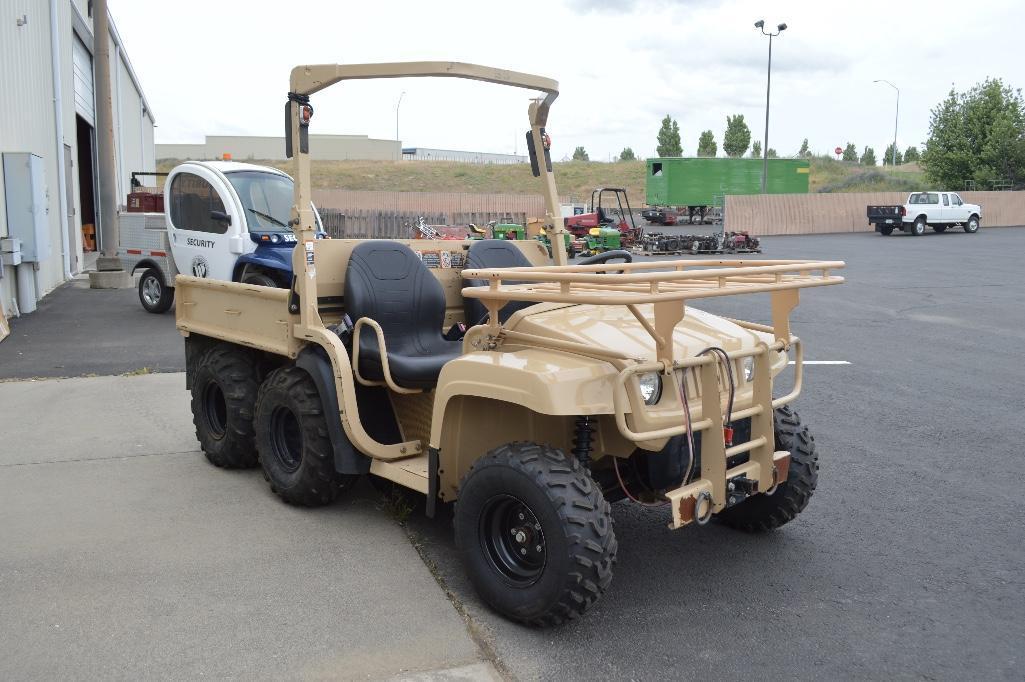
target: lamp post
<point>896,117</point>
<point>397,105</point>
<point>760,24</point>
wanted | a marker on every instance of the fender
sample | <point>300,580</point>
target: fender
<point>146,264</point>
<point>268,258</point>
<point>314,361</point>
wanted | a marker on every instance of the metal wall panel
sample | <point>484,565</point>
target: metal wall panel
<point>82,65</point>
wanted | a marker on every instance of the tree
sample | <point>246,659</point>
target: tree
<point>771,153</point>
<point>669,138</point>
<point>756,149</point>
<point>868,157</point>
<point>803,151</point>
<point>580,154</point>
<point>707,145</point>
<point>850,152</point>
<point>627,154</point>
<point>888,156</point>
<point>736,138</point>
<point>977,135</point>
<point>911,154</point>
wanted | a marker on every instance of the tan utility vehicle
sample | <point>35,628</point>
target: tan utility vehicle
<point>571,387</point>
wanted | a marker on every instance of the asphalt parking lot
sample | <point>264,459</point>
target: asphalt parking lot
<point>907,562</point>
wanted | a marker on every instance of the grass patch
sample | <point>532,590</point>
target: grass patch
<point>142,371</point>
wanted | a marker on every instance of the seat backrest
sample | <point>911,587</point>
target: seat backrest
<point>388,283</point>
<point>492,253</point>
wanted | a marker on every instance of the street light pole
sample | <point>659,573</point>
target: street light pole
<point>397,105</point>
<point>896,117</point>
<point>760,24</point>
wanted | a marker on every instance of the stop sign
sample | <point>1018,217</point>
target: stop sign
<point>838,151</point>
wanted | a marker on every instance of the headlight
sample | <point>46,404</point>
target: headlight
<point>651,387</point>
<point>749,368</point>
<point>275,239</point>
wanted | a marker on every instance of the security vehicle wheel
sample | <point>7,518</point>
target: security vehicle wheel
<point>764,512</point>
<point>259,279</point>
<point>291,438</point>
<point>154,296</point>
<point>939,229</point>
<point>918,229</point>
<point>972,226</point>
<point>224,391</point>
<point>535,534</point>
<point>886,231</point>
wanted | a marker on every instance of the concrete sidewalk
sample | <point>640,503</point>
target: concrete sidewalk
<point>124,554</point>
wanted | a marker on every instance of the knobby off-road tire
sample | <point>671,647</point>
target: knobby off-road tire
<point>224,391</point>
<point>153,295</point>
<point>293,443</point>
<point>535,534</point>
<point>763,512</point>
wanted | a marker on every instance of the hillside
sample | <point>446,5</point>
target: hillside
<point>576,179</point>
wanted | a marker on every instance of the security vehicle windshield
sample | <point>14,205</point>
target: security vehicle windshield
<point>266,197</point>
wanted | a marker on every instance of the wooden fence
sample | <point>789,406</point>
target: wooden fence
<point>829,213</point>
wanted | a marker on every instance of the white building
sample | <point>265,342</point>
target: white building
<point>47,109</point>
<point>270,148</point>
<point>483,158</point>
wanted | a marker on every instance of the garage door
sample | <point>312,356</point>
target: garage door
<point>83,67</point>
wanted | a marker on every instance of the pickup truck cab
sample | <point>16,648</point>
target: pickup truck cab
<point>223,220</point>
<point>938,210</point>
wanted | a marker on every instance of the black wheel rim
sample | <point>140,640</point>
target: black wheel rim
<point>286,438</point>
<point>215,407</point>
<point>512,540</point>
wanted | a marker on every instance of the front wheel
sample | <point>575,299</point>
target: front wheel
<point>154,296</point>
<point>259,279</point>
<point>292,440</point>
<point>535,534</point>
<point>765,512</point>
<point>972,226</point>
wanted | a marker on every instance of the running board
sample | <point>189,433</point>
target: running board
<point>412,472</point>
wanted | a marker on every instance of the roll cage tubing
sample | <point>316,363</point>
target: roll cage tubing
<point>310,79</point>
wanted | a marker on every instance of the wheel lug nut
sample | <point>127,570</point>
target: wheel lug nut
<point>537,526</point>
<point>521,516</point>
<point>523,551</point>
<point>538,548</point>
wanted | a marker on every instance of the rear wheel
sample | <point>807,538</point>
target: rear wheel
<point>972,226</point>
<point>224,390</point>
<point>886,231</point>
<point>154,296</point>
<point>293,443</point>
<point>939,229</point>
<point>259,279</point>
<point>535,534</point>
<point>765,512</point>
<point>918,227</point>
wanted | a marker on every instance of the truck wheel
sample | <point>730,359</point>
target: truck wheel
<point>939,229</point>
<point>918,228</point>
<point>291,439</point>
<point>763,512</point>
<point>535,534</point>
<point>259,279</point>
<point>224,392</point>
<point>972,226</point>
<point>886,231</point>
<point>154,296</point>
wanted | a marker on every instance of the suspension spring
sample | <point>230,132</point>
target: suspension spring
<point>582,441</point>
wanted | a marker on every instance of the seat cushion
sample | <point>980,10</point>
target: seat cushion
<point>492,253</point>
<point>388,283</point>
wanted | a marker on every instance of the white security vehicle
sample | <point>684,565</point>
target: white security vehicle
<point>223,220</point>
<point>938,210</point>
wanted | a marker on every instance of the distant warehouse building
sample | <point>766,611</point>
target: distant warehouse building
<point>426,154</point>
<point>48,186</point>
<point>270,148</point>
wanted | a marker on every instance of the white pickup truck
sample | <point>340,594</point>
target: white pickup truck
<point>223,220</point>
<point>938,210</point>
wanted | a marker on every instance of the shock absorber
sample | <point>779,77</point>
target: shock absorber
<point>582,441</point>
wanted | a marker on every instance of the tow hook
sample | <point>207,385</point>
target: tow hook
<point>739,489</point>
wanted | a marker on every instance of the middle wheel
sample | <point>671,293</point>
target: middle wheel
<point>292,440</point>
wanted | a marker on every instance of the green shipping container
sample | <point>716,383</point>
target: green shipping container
<point>696,181</point>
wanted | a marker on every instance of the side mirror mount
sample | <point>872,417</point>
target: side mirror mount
<point>221,217</point>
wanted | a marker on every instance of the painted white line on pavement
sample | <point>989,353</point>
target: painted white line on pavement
<point>822,362</point>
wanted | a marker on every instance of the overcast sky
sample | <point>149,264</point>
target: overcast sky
<point>221,67</point>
